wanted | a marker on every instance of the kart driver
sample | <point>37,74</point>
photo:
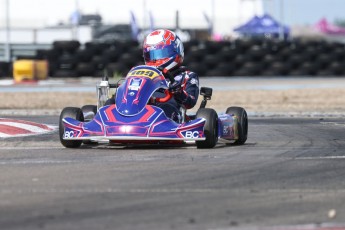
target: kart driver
<point>163,49</point>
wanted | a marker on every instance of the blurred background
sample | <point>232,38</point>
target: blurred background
<point>75,38</point>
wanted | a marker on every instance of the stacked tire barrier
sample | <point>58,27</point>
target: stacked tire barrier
<point>255,57</point>
<point>69,59</point>
<point>242,57</point>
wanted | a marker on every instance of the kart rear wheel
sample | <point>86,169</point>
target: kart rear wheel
<point>75,113</point>
<point>89,112</point>
<point>242,123</point>
<point>210,128</point>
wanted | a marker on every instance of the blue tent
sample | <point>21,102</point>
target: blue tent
<point>261,26</point>
<point>252,22</point>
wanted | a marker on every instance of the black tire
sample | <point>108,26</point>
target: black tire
<point>75,113</point>
<point>242,72</point>
<point>253,68</point>
<point>66,46</point>
<point>189,44</point>
<point>268,59</point>
<point>228,53</point>
<point>284,54</point>
<point>128,60</point>
<point>99,62</point>
<point>280,68</point>
<point>309,54</point>
<point>244,44</point>
<point>67,62</point>
<point>211,61</point>
<point>85,69</point>
<point>309,68</point>
<point>339,54</point>
<point>96,48</point>
<point>198,68</point>
<point>325,73</point>
<point>89,111</point>
<point>298,73</point>
<point>210,128</point>
<point>337,68</point>
<point>197,54</point>
<point>296,60</point>
<point>116,68</point>
<point>215,73</point>
<point>241,59</point>
<point>227,68</point>
<point>213,47</point>
<point>84,55</point>
<point>136,54</point>
<point>112,54</point>
<point>323,60</point>
<point>257,52</point>
<point>242,123</point>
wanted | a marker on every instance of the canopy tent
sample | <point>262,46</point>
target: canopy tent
<point>261,26</point>
<point>327,28</point>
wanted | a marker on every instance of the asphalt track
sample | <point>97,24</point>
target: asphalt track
<point>289,173</point>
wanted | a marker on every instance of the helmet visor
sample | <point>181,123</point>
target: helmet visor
<point>157,54</point>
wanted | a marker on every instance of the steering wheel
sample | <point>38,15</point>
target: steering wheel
<point>168,96</point>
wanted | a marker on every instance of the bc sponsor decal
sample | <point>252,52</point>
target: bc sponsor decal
<point>143,73</point>
<point>69,134</point>
<point>192,134</point>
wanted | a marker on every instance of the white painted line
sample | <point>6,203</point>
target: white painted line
<point>320,158</point>
<point>325,226</point>
<point>31,128</point>
<point>332,123</point>
<point>15,148</point>
<point>25,135</point>
<point>149,191</point>
<point>4,135</point>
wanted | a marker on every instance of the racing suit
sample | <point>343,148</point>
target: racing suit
<point>186,92</point>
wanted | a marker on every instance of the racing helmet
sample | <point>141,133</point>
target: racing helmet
<point>163,49</point>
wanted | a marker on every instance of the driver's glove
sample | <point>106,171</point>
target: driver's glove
<point>177,85</point>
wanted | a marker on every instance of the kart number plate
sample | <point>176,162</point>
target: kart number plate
<point>143,73</point>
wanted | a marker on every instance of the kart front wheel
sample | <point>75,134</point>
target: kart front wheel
<point>242,123</point>
<point>75,113</point>
<point>210,128</point>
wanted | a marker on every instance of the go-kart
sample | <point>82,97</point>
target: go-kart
<point>134,118</point>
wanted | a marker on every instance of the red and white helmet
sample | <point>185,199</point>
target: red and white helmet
<point>163,49</point>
